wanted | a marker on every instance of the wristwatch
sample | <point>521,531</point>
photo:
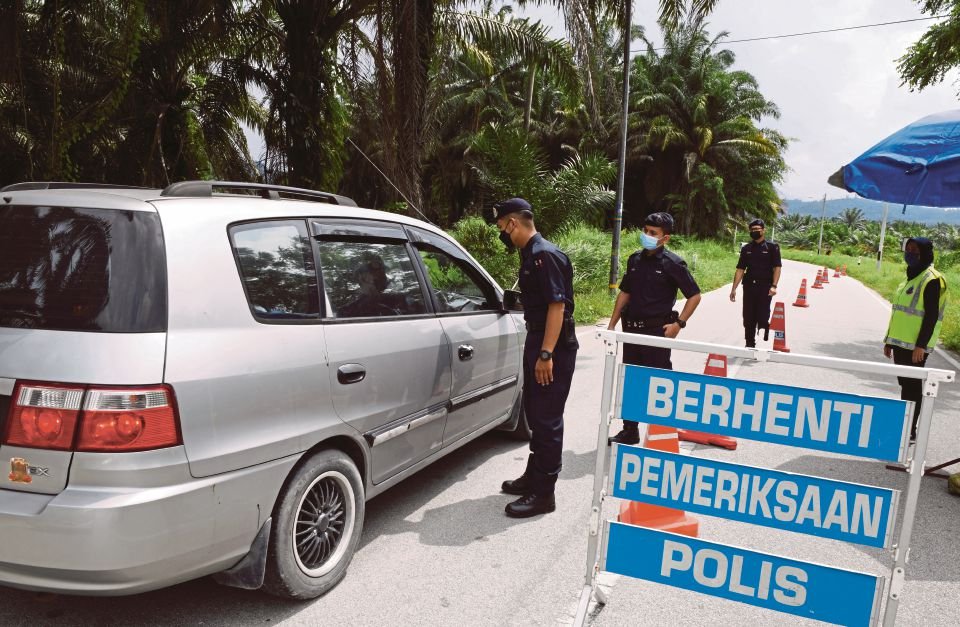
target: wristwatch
<point>546,355</point>
<point>682,323</point>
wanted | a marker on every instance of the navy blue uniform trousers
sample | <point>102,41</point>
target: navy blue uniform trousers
<point>543,405</point>
<point>756,308</point>
<point>652,356</point>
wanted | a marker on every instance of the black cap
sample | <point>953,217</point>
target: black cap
<point>660,219</point>
<point>757,222</point>
<point>512,205</point>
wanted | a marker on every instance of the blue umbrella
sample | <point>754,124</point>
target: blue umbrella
<point>917,165</point>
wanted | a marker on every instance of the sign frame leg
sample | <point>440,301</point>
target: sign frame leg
<point>599,478</point>
<point>902,550</point>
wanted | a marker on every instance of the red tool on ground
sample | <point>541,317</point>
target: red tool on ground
<point>717,367</point>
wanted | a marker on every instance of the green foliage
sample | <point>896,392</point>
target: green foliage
<point>508,165</point>
<point>589,249</point>
<point>697,124</point>
<point>928,61</point>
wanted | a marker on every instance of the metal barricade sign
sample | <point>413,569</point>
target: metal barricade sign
<point>816,506</point>
<point>810,590</point>
<point>823,420</point>
<point>863,426</point>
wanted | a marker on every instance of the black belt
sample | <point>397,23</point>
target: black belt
<point>637,324</point>
<point>758,281</point>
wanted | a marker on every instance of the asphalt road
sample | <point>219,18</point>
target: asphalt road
<point>438,550</point>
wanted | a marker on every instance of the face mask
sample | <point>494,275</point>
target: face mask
<point>505,238</point>
<point>648,242</point>
<point>912,259</point>
<point>755,234</point>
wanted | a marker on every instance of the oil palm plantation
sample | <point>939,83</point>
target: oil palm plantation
<point>699,121</point>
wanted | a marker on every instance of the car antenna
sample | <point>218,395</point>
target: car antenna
<point>415,208</point>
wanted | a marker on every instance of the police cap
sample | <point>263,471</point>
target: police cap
<point>661,219</point>
<point>512,205</point>
<point>757,222</point>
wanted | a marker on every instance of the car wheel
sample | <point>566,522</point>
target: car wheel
<point>522,430</point>
<point>317,523</point>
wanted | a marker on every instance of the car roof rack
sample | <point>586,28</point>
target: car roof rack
<point>264,190</point>
<point>35,185</point>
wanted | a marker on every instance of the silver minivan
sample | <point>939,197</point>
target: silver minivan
<point>214,378</point>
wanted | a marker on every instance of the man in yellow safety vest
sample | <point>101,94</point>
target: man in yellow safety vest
<point>916,319</point>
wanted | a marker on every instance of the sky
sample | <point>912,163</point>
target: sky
<point>838,93</point>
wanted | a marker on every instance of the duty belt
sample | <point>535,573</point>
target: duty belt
<point>638,324</point>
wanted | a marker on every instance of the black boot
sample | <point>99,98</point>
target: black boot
<point>531,505</point>
<point>630,434</point>
<point>522,484</point>
<point>519,486</point>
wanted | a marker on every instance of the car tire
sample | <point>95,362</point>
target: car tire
<point>317,523</point>
<point>522,429</point>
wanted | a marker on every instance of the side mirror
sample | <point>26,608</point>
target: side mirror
<point>511,301</point>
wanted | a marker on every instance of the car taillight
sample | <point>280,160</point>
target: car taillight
<point>43,415</point>
<point>121,419</point>
<point>92,418</point>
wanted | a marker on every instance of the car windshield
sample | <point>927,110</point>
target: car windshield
<point>75,269</point>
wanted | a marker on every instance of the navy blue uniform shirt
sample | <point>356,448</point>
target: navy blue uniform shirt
<point>759,260</point>
<point>652,280</point>
<point>546,276</point>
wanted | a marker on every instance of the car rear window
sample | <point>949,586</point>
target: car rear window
<point>73,269</point>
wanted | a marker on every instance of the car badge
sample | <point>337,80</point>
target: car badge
<point>19,471</point>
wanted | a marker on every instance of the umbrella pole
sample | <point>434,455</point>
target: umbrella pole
<point>883,234</point>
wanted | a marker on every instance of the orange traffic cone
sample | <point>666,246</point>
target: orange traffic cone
<point>717,367</point>
<point>836,273</point>
<point>843,271</point>
<point>818,283</point>
<point>656,516</point>
<point>778,324</point>
<point>826,275</point>
<point>802,296</point>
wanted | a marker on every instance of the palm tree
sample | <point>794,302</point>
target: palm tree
<point>853,218</point>
<point>698,121</point>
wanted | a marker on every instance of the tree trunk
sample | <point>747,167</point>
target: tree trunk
<point>528,111</point>
<point>413,49</point>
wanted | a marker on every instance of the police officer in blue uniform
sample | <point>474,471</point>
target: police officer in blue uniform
<point>759,269</point>
<point>648,293</point>
<point>549,354</point>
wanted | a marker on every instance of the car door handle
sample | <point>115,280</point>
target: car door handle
<point>465,352</point>
<point>351,373</point>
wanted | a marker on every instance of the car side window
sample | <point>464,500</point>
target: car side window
<point>454,287</point>
<point>366,279</point>
<point>277,268</point>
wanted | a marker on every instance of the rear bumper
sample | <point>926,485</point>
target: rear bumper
<point>152,527</point>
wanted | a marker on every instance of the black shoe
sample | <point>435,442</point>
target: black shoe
<point>626,436</point>
<point>519,486</point>
<point>531,505</point>
<point>751,344</point>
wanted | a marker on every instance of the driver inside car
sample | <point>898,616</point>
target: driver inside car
<point>372,280</point>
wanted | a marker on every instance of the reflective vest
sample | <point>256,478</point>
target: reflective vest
<point>907,314</point>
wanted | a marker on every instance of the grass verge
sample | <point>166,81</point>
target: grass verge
<point>885,281</point>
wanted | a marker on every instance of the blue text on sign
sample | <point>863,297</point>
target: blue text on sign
<point>814,591</point>
<point>805,504</point>
<point>863,426</point>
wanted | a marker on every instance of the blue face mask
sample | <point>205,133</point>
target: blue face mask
<point>912,259</point>
<point>648,242</point>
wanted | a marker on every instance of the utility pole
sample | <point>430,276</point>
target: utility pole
<point>823,213</point>
<point>883,235</point>
<point>621,170</point>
